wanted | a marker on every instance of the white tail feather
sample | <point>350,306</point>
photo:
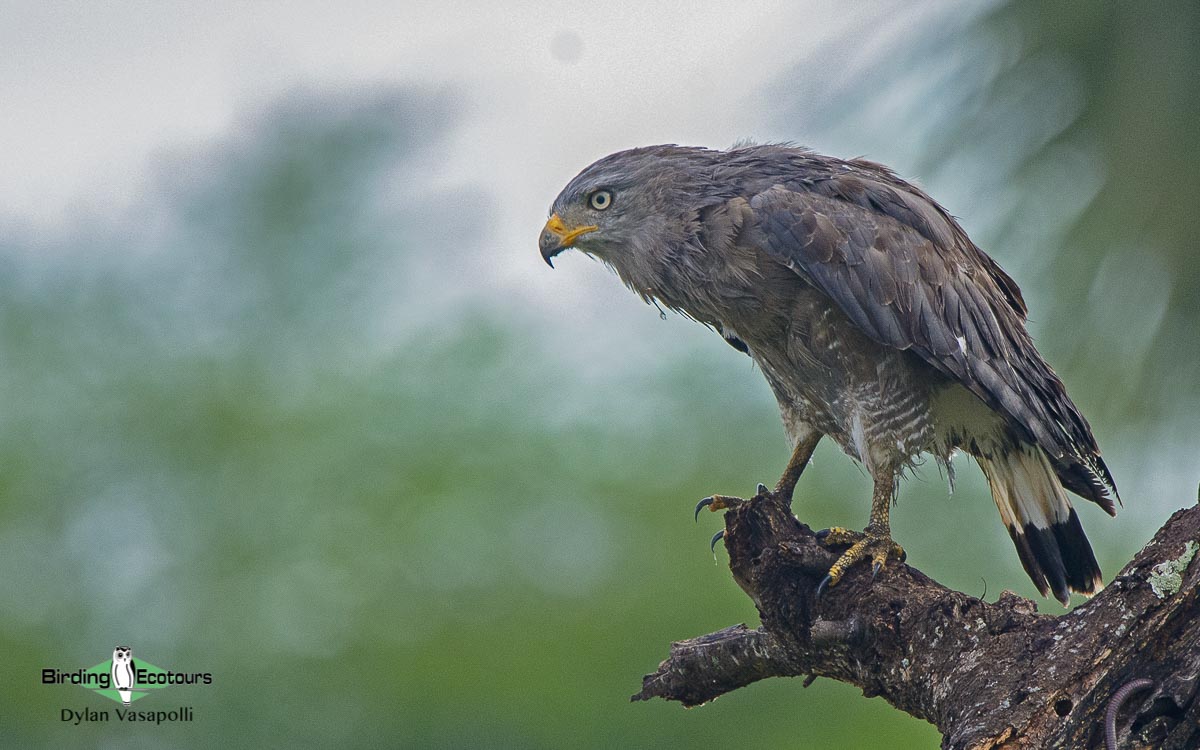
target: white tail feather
<point>1025,488</point>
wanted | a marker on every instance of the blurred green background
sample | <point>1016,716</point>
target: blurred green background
<point>289,418</point>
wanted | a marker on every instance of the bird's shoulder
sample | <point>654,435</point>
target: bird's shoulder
<point>843,208</point>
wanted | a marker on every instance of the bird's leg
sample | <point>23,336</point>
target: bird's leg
<point>801,455</point>
<point>874,542</point>
<point>783,489</point>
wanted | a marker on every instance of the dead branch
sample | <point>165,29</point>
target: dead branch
<point>986,675</point>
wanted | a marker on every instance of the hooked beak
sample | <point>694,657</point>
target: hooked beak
<point>556,237</point>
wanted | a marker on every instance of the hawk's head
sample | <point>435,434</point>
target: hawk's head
<point>633,210</point>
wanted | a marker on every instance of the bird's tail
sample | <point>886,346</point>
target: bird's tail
<point>1043,525</point>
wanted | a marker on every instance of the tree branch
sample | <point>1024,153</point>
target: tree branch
<point>986,675</point>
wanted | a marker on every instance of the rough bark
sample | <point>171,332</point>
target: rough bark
<point>986,675</point>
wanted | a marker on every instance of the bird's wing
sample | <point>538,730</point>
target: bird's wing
<point>906,274</point>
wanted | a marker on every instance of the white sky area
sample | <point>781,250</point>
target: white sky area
<point>90,93</point>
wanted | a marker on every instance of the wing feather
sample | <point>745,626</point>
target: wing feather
<point>905,273</point>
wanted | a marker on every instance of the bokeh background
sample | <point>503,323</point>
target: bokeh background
<point>288,395</point>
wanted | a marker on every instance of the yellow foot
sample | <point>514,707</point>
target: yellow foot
<point>874,544</point>
<point>716,503</point>
<point>725,502</point>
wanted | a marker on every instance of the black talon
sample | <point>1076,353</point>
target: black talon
<point>716,538</point>
<point>821,586</point>
<point>702,505</point>
<point>875,570</point>
<point>762,489</point>
<point>822,534</point>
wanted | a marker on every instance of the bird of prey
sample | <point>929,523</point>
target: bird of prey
<point>874,318</point>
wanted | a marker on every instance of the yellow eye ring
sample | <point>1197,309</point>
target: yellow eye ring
<point>600,200</point>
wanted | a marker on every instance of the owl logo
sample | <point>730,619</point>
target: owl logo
<point>123,672</point>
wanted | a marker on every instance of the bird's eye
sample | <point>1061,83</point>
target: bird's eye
<point>600,200</point>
